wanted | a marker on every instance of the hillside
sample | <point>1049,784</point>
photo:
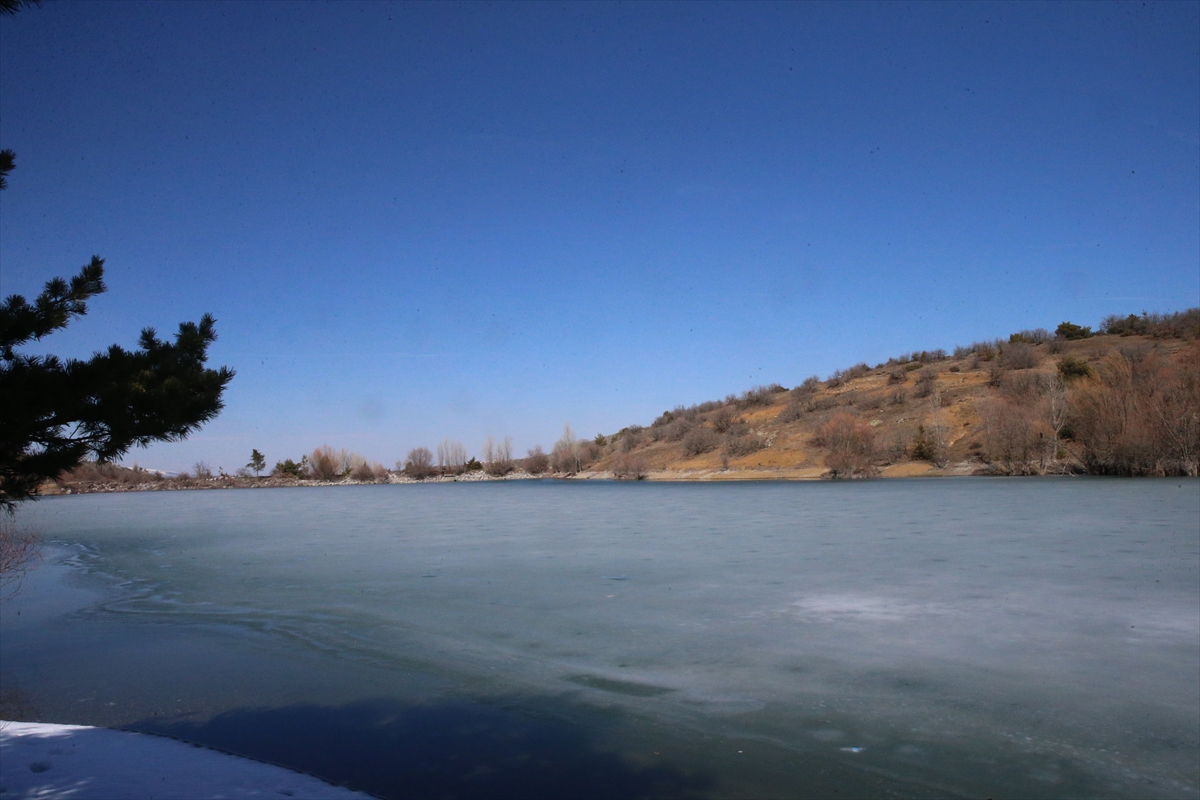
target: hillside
<point>1126,401</point>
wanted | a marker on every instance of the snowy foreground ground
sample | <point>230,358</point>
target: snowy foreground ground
<point>38,760</point>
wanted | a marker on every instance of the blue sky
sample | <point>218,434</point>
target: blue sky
<point>415,221</point>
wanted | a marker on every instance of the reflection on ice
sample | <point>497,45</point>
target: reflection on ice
<point>864,608</point>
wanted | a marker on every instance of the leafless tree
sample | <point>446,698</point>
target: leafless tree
<point>1057,412</point>
<point>19,553</point>
<point>564,457</point>
<point>938,431</point>
<point>419,463</point>
<point>498,456</point>
<point>452,456</point>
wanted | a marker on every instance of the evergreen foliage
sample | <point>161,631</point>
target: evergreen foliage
<point>57,413</point>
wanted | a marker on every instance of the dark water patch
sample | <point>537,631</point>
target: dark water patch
<point>629,688</point>
<point>443,750</point>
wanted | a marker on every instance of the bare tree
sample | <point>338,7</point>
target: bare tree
<point>19,553</point>
<point>565,455</point>
<point>452,456</point>
<point>938,431</point>
<point>498,456</point>
<point>1057,413</point>
<point>419,463</point>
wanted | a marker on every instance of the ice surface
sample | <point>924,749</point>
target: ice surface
<point>1036,637</point>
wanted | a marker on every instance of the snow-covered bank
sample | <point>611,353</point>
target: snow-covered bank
<point>39,760</point>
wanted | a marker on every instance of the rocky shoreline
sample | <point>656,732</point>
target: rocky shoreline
<point>149,482</point>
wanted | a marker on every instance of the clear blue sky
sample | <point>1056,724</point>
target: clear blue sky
<point>424,220</point>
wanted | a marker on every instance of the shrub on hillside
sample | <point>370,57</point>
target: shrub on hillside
<point>1071,331</point>
<point>808,386</point>
<point>926,382</point>
<point>723,419</point>
<point>1016,436</point>
<point>1070,368</point>
<point>1019,355</point>
<point>850,443</point>
<point>759,396</point>
<point>629,467</point>
<point>742,444</point>
<point>699,441</point>
<point>791,412</point>
<point>1180,325</point>
<point>1035,336</point>
<point>678,428</point>
<point>1139,418</point>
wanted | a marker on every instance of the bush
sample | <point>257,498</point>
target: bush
<point>791,412</point>
<point>1035,336</point>
<point>1180,325</point>
<point>738,445</point>
<point>897,376</point>
<point>699,441</point>
<point>1016,436</point>
<point>926,382</point>
<point>1019,355</point>
<point>1071,331</point>
<point>419,463</point>
<point>1139,418</point>
<point>537,462</point>
<point>629,467</point>
<point>857,371</point>
<point>723,420</point>
<point>366,472</point>
<point>759,396</point>
<point>677,429</point>
<point>327,464</point>
<point>851,445</point>
<point>630,438</point>
<point>290,469</point>
<point>808,386</point>
<point>1070,368</point>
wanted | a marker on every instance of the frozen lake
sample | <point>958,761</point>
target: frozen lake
<point>960,637</point>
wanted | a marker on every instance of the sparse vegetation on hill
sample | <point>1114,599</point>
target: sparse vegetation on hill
<point>1123,401</point>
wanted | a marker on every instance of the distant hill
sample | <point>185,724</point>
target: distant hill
<point>1125,401</point>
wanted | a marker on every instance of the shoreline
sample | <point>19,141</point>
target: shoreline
<point>893,471</point>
